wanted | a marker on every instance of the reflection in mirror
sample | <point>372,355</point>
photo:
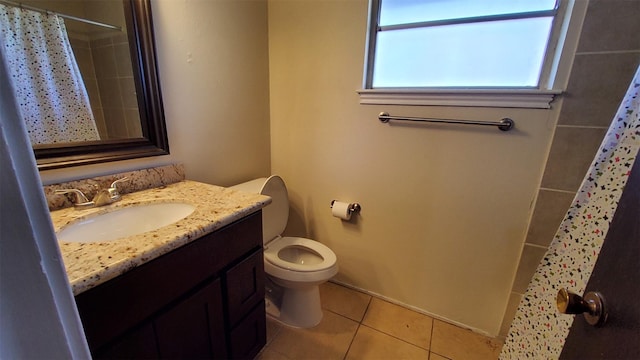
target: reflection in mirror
<point>83,97</point>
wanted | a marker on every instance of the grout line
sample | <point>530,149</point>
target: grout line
<point>537,246</point>
<point>606,52</point>
<point>433,325</point>
<point>397,338</point>
<point>366,309</point>
<point>357,329</point>
<point>341,315</point>
<point>568,126</point>
<point>444,357</point>
<point>559,190</point>
<point>351,343</point>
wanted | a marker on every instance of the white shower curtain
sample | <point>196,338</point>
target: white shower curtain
<point>46,79</point>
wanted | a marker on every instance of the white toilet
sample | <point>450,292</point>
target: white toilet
<point>296,265</point>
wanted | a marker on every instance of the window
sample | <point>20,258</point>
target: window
<point>463,45</point>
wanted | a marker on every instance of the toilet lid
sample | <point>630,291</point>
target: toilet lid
<point>276,214</point>
<point>272,254</point>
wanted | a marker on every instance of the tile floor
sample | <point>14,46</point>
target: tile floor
<point>358,326</point>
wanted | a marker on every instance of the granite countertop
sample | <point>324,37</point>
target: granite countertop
<point>90,264</point>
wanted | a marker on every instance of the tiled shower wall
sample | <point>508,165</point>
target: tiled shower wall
<point>607,57</point>
<point>106,70</point>
<point>116,85</point>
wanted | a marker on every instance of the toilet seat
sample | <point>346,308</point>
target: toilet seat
<point>273,248</point>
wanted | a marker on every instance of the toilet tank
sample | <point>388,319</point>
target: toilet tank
<point>276,214</point>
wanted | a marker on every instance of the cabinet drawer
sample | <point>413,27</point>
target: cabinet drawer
<point>248,338</point>
<point>245,284</point>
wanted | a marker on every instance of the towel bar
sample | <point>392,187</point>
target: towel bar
<point>505,124</point>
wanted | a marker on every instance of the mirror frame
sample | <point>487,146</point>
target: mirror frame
<point>155,141</point>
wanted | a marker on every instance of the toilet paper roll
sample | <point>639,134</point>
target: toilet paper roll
<point>341,210</point>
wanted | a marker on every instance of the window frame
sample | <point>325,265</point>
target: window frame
<point>561,46</point>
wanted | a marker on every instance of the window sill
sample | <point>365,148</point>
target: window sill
<point>525,98</point>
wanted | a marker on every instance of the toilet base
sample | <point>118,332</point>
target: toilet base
<point>271,309</point>
<point>299,308</point>
<point>297,294</point>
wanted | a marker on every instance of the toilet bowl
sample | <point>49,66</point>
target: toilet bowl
<point>296,265</point>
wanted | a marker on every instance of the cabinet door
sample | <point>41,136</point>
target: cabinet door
<point>245,286</point>
<point>140,343</point>
<point>194,328</point>
<point>250,335</point>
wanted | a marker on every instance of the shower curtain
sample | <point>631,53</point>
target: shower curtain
<point>52,98</point>
<point>538,331</point>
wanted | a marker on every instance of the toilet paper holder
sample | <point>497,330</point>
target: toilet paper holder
<point>353,207</point>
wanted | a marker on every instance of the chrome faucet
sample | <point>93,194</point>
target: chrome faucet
<point>81,199</point>
<point>109,195</point>
<point>103,196</point>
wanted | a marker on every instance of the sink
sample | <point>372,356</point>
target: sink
<point>124,222</point>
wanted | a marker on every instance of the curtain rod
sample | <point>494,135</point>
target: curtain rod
<point>49,12</point>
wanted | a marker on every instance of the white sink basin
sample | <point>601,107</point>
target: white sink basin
<point>124,222</point>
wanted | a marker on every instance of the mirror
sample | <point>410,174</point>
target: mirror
<point>136,129</point>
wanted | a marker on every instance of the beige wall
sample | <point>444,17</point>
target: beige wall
<point>444,208</point>
<point>213,65</point>
<point>214,74</point>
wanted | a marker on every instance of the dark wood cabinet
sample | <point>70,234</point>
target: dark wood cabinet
<point>245,288</point>
<point>248,337</point>
<point>203,300</point>
<point>193,328</point>
<point>139,343</point>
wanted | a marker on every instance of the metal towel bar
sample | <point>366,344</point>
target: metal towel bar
<point>505,124</point>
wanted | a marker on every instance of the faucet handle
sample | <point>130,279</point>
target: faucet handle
<point>113,184</point>
<point>81,199</point>
<point>113,189</point>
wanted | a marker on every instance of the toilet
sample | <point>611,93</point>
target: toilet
<point>295,266</point>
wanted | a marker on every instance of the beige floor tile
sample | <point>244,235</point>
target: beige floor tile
<point>434,356</point>
<point>410,326</point>
<point>344,301</point>
<point>329,340</point>
<point>273,329</point>
<point>268,354</point>
<point>372,344</point>
<point>457,343</point>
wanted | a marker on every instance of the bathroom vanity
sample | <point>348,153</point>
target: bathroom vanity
<point>203,300</point>
<point>193,289</point>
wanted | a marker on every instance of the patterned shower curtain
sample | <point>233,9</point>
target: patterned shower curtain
<point>538,331</point>
<point>52,98</point>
